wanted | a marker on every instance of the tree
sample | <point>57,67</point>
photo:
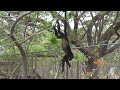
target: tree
<point>23,26</point>
<point>91,31</point>
<point>101,27</point>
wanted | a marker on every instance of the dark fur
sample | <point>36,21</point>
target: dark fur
<point>65,45</point>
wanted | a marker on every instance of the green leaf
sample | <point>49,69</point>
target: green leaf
<point>54,14</point>
<point>97,48</point>
<point>53,40</point>
<point>71,15</point>
<point>47,25</point>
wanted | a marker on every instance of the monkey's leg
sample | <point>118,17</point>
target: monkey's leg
<point>65,59</point>
<point>68,63</point>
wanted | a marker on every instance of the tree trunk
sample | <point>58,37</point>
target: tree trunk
<point>24,57</point>
<point>92,68</point>
<point>67,72</point>
<point>77,70</point>
<point>24,67</point>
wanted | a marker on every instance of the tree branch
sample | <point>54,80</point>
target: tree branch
<point>89,34</point>
<point>111,49</point>
<point>18,19</point>
<point>63,20</point>
<point>30,36</point>
<point>87,51</point>
<point>110,31</point>
<point>81,15</point>
<point>89,30</point>
<point>93,21</point>
<point>76,21</point>
<point>100,24</point>
<point>107,35</point>
<point>19,46</point>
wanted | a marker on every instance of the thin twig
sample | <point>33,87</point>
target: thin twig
<point>16,68</point>
<point>18,19</point>
<point>96,45</point>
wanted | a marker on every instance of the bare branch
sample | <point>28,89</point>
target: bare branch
<point>84,29</point>
<point>93,21</point>
<point>18,19</point>
<point>17,44</point>
<point>90,25</point>
<point>117,14</point>
<point>15,69</point>
<point>30,36</point>
<point>83,35</point>
<point>100,24</point>
<point>63,19</point>
<point>82,25</point>
<point>87,51</point>
<point>110,31</point>
<point>111,49</point>
<point>89,34</point>
<point>81,15</point>
<point>76,21</point>
<point>107,35</point>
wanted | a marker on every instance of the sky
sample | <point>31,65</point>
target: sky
<point>88,17</point>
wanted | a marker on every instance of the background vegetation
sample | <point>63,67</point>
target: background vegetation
<point>28,43</point>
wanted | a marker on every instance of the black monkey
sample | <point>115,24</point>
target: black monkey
<point>65,45</point>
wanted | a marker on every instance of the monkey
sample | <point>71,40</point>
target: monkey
<point>65,45</point>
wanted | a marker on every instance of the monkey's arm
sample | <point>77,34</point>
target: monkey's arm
<point>58,26</point>
<point>56,33</point>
